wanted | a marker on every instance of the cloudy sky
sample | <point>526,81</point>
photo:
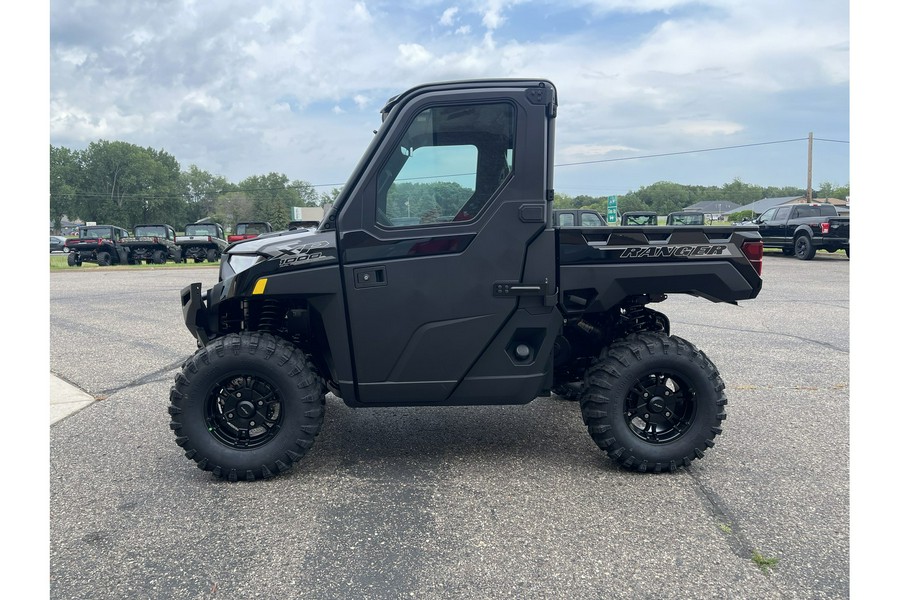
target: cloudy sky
<point>241,88</point>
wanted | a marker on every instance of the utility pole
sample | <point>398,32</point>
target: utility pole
<point>809,170</point>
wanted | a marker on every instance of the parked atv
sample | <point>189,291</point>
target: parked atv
<point>202,241</point>
<point>101,244</point>
<point>153,244</point>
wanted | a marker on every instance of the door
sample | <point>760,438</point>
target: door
<point>451,202</point>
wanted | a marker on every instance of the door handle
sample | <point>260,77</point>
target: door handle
<point>518,288</point>
<point>369,277</point>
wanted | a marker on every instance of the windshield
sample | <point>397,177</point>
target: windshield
<point>150,231</point>
<point>200,230</point>
<point>95,232</point>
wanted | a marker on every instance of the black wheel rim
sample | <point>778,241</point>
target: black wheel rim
<point>244,412</point>
<point>660,407</point>
<point>802,247</point>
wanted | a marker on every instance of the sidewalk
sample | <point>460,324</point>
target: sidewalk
<point>65,399</point>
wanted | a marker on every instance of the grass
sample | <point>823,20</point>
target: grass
<point>763,562</point>
<point>59,262</point>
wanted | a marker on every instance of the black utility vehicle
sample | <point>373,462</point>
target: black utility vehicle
<point>582,217</point>
<point>202,241</point>
<point>802,229</point>
<point>407,297</point>
<point>638,217</point>
<point>152,244</point>
<point>101,244</point>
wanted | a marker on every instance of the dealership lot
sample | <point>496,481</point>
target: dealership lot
<point>493,502</point>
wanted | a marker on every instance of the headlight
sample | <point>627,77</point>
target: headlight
<point>242,262</point>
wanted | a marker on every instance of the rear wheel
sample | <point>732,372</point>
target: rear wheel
<point>212,255</point>
<point>159,257</point>
<point>247,406</point>
<point>653,402</point>
<point>803,248</point>
<point>104,259</point>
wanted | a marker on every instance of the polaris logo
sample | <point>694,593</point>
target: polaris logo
<point>677,251</point>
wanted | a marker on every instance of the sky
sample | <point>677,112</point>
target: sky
<point>295,87</point>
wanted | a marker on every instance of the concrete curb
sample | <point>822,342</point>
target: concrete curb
<point>66,399</point>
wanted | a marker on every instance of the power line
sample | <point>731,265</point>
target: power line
<point>607,160</point>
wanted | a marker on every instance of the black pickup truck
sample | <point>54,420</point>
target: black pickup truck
<point>802,229</point>
<point>456,299</point>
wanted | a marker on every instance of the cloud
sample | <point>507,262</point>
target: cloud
<point>413,55</point>
<point>205,80</point>
<point>588,152</point>
<point>449,16</point>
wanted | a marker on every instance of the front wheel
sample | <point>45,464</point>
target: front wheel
<point>72,260</point>
<point>247,406</point>
<point>653,402</point>
<point>803,248</point>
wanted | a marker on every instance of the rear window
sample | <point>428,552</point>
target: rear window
<point>815,211</point>
<point>95,232</point>
<point>199,230</point>
<point>250,229</point>
<point>150,231</point>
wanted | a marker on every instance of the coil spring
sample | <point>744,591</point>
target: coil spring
<point>268,315</point>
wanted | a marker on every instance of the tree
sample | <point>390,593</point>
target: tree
<point>125,184</point>
<point>273,196</point>
<point>65,180</point>
<point>202,191</point>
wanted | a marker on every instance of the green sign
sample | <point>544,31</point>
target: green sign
<point>611,209</point>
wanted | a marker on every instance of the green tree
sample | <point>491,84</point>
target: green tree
<point>272,197</point>
<point>65,181</point>
<point>202,191</point>
<point>124,184</point>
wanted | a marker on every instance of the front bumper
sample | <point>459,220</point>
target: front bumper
<point>196,315</point>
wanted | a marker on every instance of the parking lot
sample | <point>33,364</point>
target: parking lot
<point>462,502</point>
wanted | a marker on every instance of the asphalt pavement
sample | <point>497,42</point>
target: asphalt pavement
<point>461,502</point>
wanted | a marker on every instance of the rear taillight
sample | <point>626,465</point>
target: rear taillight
<point>826,227</point>
<point>754,253</point>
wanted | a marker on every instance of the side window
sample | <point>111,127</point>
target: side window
<point>767,216</point>
<point>448,164</point>
<point>590,220</point>
<point>783,213</point>
<point>566,220</point>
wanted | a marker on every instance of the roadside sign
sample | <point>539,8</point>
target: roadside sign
<point>611,205</point>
